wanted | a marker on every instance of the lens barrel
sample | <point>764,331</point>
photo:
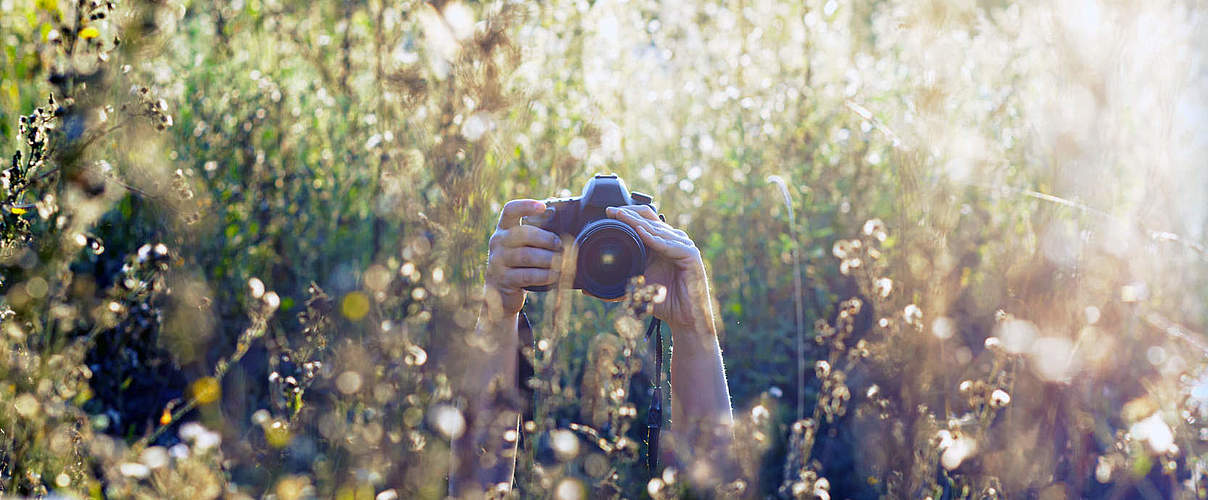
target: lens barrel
<point>610,253</point>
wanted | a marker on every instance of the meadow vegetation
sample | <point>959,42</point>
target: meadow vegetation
<point>955,245</point>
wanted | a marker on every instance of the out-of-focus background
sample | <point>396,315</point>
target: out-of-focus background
<point>955,246</point>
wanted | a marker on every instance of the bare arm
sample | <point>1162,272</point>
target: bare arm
<point>484,457</point>
<point>701,417</point>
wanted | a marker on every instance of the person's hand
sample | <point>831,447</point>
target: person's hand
<point>519,256</point>
<point>676,264</point>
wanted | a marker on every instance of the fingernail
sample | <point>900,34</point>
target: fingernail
<point>610,211</point>
<point>557,241</point>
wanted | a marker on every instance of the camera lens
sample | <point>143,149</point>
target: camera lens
<point>610,253</point>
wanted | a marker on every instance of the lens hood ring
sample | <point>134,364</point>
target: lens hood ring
<point>609,254</point>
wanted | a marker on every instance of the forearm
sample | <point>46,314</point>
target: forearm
<point>701,417</point>
<point>483,457</point>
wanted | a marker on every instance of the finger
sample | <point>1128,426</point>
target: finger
<point>642,213</point>
<point>515,209</point>
<point>655,227</point>
<point>530,257</point>
<point>629,217</point>
<point>532,236</point>
<point>646,211</point>
<point>663,246</point>
<point>522,277</point>
<point>662,228</point>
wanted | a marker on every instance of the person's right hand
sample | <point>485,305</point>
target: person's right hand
<point>519,256</point>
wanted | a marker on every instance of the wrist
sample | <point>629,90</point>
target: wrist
<point>494,319</point>
<point>496,327</point>
<point>500,305</point>
<point>697,318</point>
<point>700,328</point>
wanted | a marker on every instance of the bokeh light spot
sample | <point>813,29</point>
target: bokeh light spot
<point>206,390</point>
<point>355,306</point>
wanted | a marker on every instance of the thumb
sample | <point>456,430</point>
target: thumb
<point>515,209</point>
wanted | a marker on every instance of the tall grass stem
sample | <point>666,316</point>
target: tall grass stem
<point>797,294</point>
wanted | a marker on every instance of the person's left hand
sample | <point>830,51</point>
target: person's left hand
<point>675,263</point>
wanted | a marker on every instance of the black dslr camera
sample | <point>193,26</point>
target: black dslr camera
<point>609,251</point>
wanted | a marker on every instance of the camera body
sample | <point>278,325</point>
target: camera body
<point>609,252</point>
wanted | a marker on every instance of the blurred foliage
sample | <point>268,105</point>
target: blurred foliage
<point>242,241</point>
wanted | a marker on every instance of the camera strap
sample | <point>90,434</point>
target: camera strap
<point>524,368</point>
<point>654,417</point>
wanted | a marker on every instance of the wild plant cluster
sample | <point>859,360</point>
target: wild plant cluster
<point>954,247</point>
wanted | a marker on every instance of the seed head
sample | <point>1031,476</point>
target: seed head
<point>884,287</point>
<point>999,398</point>
<point>913,315</point>
<point>876,229</point>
